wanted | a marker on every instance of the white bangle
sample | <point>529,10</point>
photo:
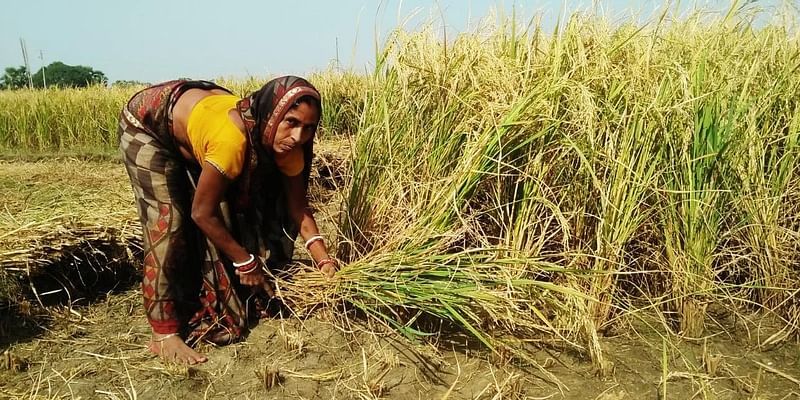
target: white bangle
<point>313,239</point>
<point>242,264</point>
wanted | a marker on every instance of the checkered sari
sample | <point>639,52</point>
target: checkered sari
<point>188,286</point>
<point>177,298</point>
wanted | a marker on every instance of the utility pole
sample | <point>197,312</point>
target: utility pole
<point>44,75</point>
<point>338,63</point>
<point>27,64</point>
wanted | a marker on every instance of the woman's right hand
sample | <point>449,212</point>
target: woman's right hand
<point>255,277</point>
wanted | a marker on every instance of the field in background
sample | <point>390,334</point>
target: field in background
<point>83,121</point>
<point>523,189</point>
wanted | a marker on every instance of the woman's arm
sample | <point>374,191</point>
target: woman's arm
<point>302,215</point>
<point>205,213</point>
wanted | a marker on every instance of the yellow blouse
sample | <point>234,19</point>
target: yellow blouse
<point>217,140</point>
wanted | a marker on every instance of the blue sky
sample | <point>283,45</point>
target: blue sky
<point>154,40</point>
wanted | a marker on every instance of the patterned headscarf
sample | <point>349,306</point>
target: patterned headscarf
<point>268,105</point>
<point>263,110</point>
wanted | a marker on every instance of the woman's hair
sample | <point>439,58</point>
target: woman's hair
<point>311,101</point>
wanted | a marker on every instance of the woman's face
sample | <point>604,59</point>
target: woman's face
<point>296,128</point>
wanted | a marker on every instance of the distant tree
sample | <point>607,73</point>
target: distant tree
<point>14,78</point>
<point>127,83</point>
<point>63,75</point>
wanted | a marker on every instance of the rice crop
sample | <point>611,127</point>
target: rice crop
<point>545,187</point>
<point>84,120</point>
<point>61,119</point>
<point>529,184</point>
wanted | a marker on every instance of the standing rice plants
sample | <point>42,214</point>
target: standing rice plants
<point>693,219</point>
<point>613,133</point>
<point>767,231</point>
<point>698,179</point>
<point>765,237</point>
<point>85,119</point>
<point>242,86</point>
<point>720,235</point>
<point>625,171</point>
<point>586,172</point>
<point>767,156</point>
<point>430,180</point>
<point>61,119</point>
<point>343,94</point>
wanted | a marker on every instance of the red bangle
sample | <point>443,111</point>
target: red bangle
<point>248,268</point>
<point>322,262</point>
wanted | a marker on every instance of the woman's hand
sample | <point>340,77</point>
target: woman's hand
<point>301,214</point>
<point>328,270</point>
<point>328,267</point>
<point>255,275</point>
<point>256,279</point>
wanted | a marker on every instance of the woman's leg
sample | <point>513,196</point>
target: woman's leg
<point>160,187</point>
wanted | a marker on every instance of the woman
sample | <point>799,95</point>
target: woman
<point>220,184</point>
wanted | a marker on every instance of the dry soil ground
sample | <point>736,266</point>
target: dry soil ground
<point>97,349</point>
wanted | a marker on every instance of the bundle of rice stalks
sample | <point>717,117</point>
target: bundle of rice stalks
<point>502,301</point>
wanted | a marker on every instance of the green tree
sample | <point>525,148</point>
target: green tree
<point>63,75</point>
<point>129,83</point>
<point>14,78</point>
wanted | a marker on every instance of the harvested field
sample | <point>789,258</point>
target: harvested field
<point>607,211</point>
<point>67,224</point>
<point>96,347</point>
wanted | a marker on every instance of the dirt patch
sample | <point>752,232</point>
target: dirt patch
<point>99,352</point>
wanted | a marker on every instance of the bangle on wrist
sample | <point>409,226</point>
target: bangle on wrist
<point>248,268</point>
<point>242,264</point>
<point>325,261</point>
<point>313,239</point>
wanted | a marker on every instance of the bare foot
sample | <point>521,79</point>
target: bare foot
<point>174,349</point>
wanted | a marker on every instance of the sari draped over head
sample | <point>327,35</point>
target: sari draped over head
<point>261,112</point>
<point>189,286</point>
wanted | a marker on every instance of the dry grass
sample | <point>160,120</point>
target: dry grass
<point>62,218</point>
